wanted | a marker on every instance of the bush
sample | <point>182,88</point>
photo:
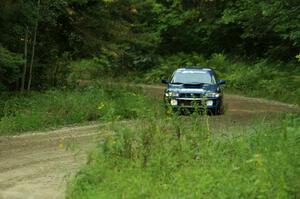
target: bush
<point>87,70</point>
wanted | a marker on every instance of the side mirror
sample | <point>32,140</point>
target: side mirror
<point>221,81</point>
<point>164,81</point>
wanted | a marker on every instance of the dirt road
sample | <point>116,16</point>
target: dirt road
<point>38,165</point>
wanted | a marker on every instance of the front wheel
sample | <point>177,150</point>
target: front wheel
<point>218,111</point>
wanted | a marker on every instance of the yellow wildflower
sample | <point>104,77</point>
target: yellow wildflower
<point>101,106</point>
<point>169,111</point>
<point>62,143</point>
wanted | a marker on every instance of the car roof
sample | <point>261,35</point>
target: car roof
<point>208,70</point>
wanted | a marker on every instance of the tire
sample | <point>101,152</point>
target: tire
<point>215,111</point>
<point>218,111</point>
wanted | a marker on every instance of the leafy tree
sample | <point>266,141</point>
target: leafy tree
<point>130,35</point>
<point>268,28</point>
<point>9,68</point>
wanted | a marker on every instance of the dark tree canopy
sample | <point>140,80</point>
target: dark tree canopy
<point>131,34</point>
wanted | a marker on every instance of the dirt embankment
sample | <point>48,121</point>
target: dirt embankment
<point>38,165</point>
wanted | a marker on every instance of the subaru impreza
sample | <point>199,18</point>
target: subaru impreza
<point>194,89</point>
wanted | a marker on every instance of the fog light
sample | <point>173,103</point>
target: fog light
<point>174,102</point>
<point>209,103</point>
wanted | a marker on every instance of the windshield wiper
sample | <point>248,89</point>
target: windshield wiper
<point>190,83</point>
<point>177,83</point>
<point>194,83</point>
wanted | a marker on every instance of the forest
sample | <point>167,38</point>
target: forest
<point>46,44</point>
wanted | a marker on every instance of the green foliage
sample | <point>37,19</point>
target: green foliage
<point>9,67</point>
<point>54,108</point>
<point>88,69</point>
<point>129,36</point>
<point>171,158</point>
<point>263,23</point>
<point>111,31</point>
<point>298,57</point>
<point>246,28</point>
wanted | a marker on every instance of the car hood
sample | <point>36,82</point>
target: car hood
<point>190,88</point>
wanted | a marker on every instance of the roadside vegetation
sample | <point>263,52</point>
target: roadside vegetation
<point>172,157</point>
<point>54,108</point>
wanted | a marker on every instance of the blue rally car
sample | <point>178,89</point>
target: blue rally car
<point>194,88</point>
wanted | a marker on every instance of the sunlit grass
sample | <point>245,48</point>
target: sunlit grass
<point>173,158</point>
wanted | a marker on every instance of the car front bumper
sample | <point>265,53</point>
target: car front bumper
<point>194,103</point>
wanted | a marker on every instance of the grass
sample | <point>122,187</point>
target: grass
<point>53,108</point>
<point>174,158</point>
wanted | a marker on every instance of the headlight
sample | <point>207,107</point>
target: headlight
<point>209,103</point>
<point>212,95</point>
<point>172,94</point>
<point>174,102</point>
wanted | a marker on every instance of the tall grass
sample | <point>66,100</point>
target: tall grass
<point>172,157</point>
<point>61,107</point>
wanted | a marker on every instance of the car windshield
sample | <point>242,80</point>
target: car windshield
<point>192,77</point>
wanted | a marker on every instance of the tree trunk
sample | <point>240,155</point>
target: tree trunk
<point>33,49</point>
<point>55,72</point>
<point>25,61</point>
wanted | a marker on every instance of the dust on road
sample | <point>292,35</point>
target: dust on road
<point>39,165</point>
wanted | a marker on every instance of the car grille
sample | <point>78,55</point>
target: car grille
<point>189,103</point>
<point>190,95</point>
